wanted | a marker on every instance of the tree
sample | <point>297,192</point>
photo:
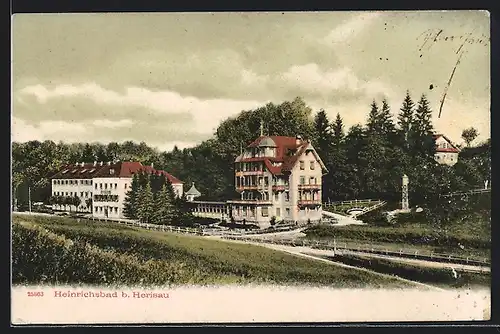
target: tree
<point>338,130</point>
<point>386,124</point>
<point>405,118</point>
<point>131,199</point>
<point>145,205</point>
<point>76,201</point>
<point>469,135</point>
<point>373,124</point>
<point>323,135</point>
<point>88,203</point>
<point>165,208</point>
<point>422,129</point>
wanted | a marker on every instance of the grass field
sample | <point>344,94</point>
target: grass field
<point>56,250</point>
<point>467,238</point>
<point>435,276</point>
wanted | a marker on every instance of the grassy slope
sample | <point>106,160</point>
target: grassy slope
<point>125,255</point>
<point>475,236</point>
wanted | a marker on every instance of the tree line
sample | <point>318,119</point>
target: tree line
<point>364,161</point>
<point>152,199</point>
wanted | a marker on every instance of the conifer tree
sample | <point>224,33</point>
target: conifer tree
<point>165,208</point>
<point>338,130</point>
<point>386,124</point>
<point>422,129</point>
<point>130,203</point>
<point>323,135</point>
<point>146,203</point>
<point>373,123</point>
<point>405,118</point>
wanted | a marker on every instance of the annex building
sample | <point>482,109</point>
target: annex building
<point>101,186</point>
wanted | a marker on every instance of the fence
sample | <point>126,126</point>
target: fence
<point>402,253</point>
<point>351,202</point>
<point>470,192</point>
<point>327,245</point>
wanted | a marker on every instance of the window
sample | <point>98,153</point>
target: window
<point>278,212</point>
<point>65,181</point>
<point>287,196</point>
<point>116,210</point>
<point>81,194</point>
<point>302,180</point>
<point>312,180</point>
<point>276,197</point>
<point>265,212</point>
<point>116,185</point>
<point>66,193</point>
<point>96,185</point>
<point>105,186</point>
<point>100,185</point>
<point>312,165</point>
<point>287,210</point>
<point>126,185</point>
<point>302,165</point>
<point>96,208</point>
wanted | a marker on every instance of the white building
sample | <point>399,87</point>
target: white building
<point>278,177</point>
<point>101,187</point>
<point>446,152</point>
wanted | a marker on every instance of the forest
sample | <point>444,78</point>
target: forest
<point>364,161</point>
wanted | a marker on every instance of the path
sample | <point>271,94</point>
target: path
<point>304,252</point>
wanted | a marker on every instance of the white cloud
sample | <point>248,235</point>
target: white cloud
<point>251,78</point>
<point>46,130</point>
<point>350,28</point>
<point>207,114</point>
<point>104,123</point>
<point>311,79</point>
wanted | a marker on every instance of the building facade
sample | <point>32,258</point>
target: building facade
<point>446,152</point>
<point>278,178</point>
<point>101,187</point>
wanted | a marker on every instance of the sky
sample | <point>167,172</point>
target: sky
<point>170,78</point>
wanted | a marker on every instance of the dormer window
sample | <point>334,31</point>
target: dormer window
<point>111,171</point>
<point>302,167</point>
<point>312,165</point>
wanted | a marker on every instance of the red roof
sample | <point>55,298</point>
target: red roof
<point>288,152</point>
<point>452,149</point>
<point>118,169</point>
<point>449,150</point>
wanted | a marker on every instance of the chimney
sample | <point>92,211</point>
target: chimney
<point>109,163</point>
<point>100,163</point>
<point>298,140</point>
<point>95,163</point>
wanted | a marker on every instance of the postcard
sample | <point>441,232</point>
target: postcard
<point>251,167</point>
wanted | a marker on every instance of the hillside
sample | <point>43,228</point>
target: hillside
<point>54,250</point>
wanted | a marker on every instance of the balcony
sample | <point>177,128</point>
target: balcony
<point>249,172</point>
<point>309,202</point>
<point>244,188</point>
<point>260,187</point>
<point>309,186</point>
<point>250,201</point>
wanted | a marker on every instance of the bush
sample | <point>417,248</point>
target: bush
<point>40,256</point>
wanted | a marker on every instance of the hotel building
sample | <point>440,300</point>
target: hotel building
<point>278,177</point>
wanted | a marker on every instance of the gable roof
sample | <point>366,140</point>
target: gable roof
<point>288,151</point>
<point>452,149</point>
<point>117,169</point>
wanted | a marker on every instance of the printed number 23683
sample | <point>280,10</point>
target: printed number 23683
<point>35,293</point>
